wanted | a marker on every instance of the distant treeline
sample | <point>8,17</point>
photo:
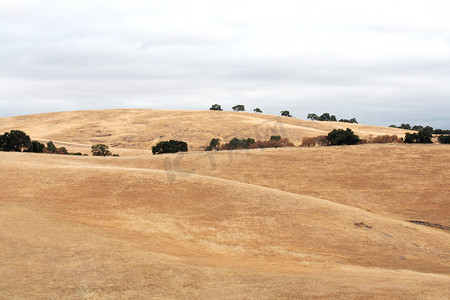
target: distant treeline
<point>420,127</point>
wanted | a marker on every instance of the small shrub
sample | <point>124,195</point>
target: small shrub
<point>272,144</point>
<point>320,140</point>
<point>275,137</point>
<point>384,139</point>
<point>171,146</point>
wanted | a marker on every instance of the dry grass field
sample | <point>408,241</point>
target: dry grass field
<point>322,222</point>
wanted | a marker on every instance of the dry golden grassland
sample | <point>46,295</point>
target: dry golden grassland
<point>324,222</point>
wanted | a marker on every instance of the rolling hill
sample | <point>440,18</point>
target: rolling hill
<point>142,128</point>
<point>324,222</point>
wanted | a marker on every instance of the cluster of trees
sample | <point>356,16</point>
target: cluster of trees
<point>423,136</point>
<point>328,117</point>
<point>171,146</point>
<point>240,107</point>
<point>444,139</point>
<point>275,142</point>
<point>19,141</point>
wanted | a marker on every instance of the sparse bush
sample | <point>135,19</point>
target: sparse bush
<point>171,146</point>
<point>339,137</point>
<point>320,140</point>
<point>257,110</point>
<point>271,144</point>
<point>444,139</point>
<point>384,139</point>
<point>100,150</point>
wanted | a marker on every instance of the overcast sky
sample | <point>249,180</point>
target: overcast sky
<point>383,62</point>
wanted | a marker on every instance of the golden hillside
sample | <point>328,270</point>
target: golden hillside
<point>324,222</point>
<point>143,128</point>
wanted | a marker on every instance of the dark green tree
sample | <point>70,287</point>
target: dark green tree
<point>286,113</point>
<point>444,139</point>
<point>15,140</point>
<point>36,147</point>
<point>257,110</point>
<point>339,137</point>
<point>51,147</point>
<point>238,107</point>
<point>423,136</point>
<point>313,117</point>
<point>216,107</point>
<point>100,150</point>
<point>405,126</point>
<point>213,144</point>
<point>171,146</point>
<point>327,117</point>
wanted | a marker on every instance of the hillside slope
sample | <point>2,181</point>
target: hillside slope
<point>73,227</point>
<point>142,128</point>
<point>321,222</point>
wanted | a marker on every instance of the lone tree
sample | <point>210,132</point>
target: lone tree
<point>339,137</point>
<point>286,113</point>
<point>100,150</point>
<point>15,140</point>
<point>216,107</point>
<point>313,117</point>
<point>171,146</point>
<point>213,145</point>
<point>238,107</point>
<point>51,147</point>
<point>257,110</point>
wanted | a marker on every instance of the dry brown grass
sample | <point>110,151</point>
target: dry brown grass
<point>140,129</point>
<point>326,222</point>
